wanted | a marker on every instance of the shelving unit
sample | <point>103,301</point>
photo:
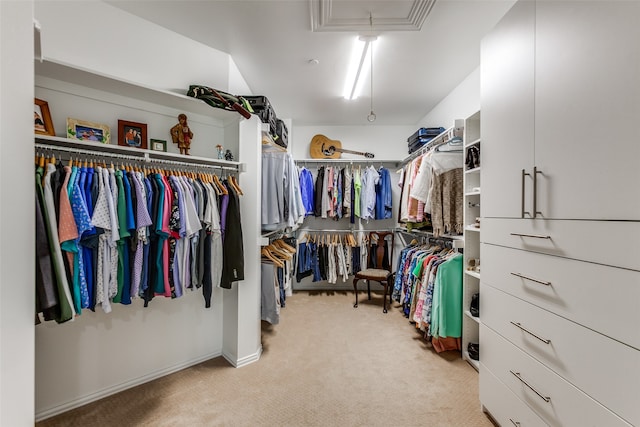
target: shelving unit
<point>231,326</point>
<point>471,278</point>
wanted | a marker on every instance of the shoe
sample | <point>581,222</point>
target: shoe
<point>474,350</point>
<point>475,305</point>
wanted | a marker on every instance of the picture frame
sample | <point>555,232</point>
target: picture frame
<point>158,145</point>
<point>132,134</point>
<point>43,125</point>
<point>88,131</point>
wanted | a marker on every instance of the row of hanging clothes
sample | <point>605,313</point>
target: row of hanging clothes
<point>432,188</point>
<point>281,200</point>
<point>347,192</point>
<point>428,284</point>
<point>332,255</point>
<point>277,267</point>
<point>112,234</point>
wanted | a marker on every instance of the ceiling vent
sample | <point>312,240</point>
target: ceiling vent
<point>342,15</point>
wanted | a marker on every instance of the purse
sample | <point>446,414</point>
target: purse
<point>473,158</point>
<point>475,305</point>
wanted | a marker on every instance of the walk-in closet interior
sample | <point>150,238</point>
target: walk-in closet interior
<point>197,167</point>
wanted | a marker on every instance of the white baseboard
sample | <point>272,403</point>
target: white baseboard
<point>239,363</point>
<point>108,391</point>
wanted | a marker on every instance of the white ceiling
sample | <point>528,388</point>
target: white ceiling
<point>272,42</point>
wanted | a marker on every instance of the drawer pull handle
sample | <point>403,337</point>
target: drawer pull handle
<point>535,191</point>
<point>530,333</point>
<point>537,236</point>
<point>517,375</point>
<point>531,278</point>
<point>515,423</point>
<point>522,211</point>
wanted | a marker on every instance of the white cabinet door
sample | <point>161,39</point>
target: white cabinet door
<point>587,107</point>
<point>507,122</point>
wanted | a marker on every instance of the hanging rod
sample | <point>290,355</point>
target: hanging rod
<point>457,242</point>
<point>131,158</point>
<point>349,161</point>
<point>326,230</point>
<point>129,153</point>
<point>92,153</point>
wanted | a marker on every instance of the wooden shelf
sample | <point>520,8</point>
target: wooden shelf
<point>474,363</point>
<point>474,229</point>
<point>474,142</point>
<point>474,170</point>
<point>475,319</point>
<point>472,274</point>
<point>175,98</point>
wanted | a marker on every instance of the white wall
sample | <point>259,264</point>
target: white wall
<point>103,38</point>
<point>17,235</point>
<point>460,103</point>
<point>385,142</point>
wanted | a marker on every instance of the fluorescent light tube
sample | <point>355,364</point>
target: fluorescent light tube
<point>358,66</point>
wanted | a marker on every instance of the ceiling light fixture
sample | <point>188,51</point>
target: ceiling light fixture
<point>355,75</point>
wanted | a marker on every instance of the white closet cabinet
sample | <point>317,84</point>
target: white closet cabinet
<point>559,243</point>
<point>586,108</point>
<point>507,100</point>
<point>559,94</point>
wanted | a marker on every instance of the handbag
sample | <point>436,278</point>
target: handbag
<point>475,305</point>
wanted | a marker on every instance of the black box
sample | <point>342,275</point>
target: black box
<point>282,134</point>
<point>425,132</point>
<point>420,142</point>
<point>262,108</point>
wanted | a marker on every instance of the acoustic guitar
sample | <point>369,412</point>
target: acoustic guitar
<point>324,148</point>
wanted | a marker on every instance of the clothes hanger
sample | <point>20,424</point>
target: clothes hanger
<point>264,252</point>
<point>281,243</point>
<point>235,184</point>
<point>220,186</point>
<point>279,252</point>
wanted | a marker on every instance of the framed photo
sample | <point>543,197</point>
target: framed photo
<point>132,134</point>
<point>42,118</point>
<point>158,144</point>
<point>88,131</point>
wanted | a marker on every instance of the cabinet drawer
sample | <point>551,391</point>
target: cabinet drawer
<point>615,243</point>
<point>580,291</point>
<point>601,367</point>
<point>552,398</point>
<point>503,405</point>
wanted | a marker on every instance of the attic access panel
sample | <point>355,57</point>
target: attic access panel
<point>353,15</point>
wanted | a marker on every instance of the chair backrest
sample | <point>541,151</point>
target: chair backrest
<point>377,249</point>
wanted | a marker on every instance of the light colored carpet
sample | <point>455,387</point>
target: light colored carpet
<point>325,364</point>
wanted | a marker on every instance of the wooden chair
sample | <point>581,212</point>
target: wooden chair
<point>378,274</point>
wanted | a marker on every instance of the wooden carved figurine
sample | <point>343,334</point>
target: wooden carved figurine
<point>182,135</point>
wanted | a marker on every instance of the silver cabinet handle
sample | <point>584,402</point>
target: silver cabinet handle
<point>522,211</point>
<point>537,236</point>
<point>535,191</point>
<point>530,333</point>
<point>517,375</point>
<point>531,278</point>
<point>515,423</point>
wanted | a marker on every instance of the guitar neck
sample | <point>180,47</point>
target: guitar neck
<point>342,150</point>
